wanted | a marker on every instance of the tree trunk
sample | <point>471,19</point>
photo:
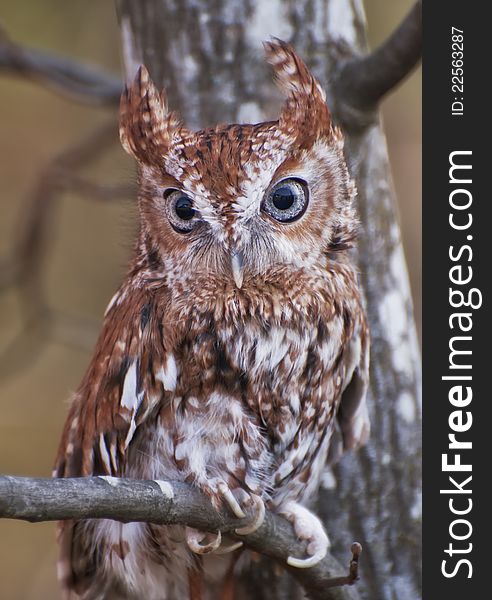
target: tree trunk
<point>207,53</point>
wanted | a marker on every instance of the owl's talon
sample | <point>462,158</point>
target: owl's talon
<point>224,549</point>
<point>226,492</point>
<point>307,527</point>
<point>258,517</point>
<point>194,539</point>
<point>306,563</point>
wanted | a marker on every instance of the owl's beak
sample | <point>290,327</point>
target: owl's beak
<point>237,267</point>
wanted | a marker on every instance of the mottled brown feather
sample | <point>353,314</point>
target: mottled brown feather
<point>197,378</point>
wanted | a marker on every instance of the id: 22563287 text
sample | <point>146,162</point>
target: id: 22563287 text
<point>457,72</point>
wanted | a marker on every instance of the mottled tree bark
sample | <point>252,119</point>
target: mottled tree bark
<point>207,53</point>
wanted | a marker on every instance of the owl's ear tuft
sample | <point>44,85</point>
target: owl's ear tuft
<point>305,109</point>
<point>291,72</point>
<point>147,128</point>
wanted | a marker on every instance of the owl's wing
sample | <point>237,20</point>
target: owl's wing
<point>127,378</point>
<point>125,381</point>
<point>353,416</point>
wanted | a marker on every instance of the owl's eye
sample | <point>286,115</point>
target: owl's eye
<point>287,200</point>
<point>180,211</point>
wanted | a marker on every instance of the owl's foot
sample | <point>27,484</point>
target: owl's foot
<point>243,504</point>
<point>307,527</point>
<point>226,549</point>
<point>225,491</point>
<point>242,500</point>
<point>258,515</point>
<point>218,490</point>
<point>238,501</point>
<point>194,539</point>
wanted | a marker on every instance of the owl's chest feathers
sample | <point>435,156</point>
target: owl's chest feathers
<point>271,329</point>
<point>241,395</point>
<point>277,371</point>
<point>248,379</point>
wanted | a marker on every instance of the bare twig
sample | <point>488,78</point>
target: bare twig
<point>167,502</point>
<point>78,81</point>
<point>361,82</point>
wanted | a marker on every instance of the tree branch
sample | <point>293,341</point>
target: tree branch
<point>361,82</point>
<point>168,502</point>
<point>70,78</point>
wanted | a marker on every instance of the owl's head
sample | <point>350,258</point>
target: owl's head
<point>239,201</point>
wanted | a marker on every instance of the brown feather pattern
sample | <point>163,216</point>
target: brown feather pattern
<point>198,378</point>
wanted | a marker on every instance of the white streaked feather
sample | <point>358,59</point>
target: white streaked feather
<point>131,399</point>
<point>103,450</point>
<point>168,375</point>
<point>129,396</point>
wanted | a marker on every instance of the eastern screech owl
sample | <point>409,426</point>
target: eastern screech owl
<point>236,345</point>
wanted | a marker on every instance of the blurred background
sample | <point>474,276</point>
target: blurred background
<point>90,241</point>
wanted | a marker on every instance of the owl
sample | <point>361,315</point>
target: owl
<point>234,356</point>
